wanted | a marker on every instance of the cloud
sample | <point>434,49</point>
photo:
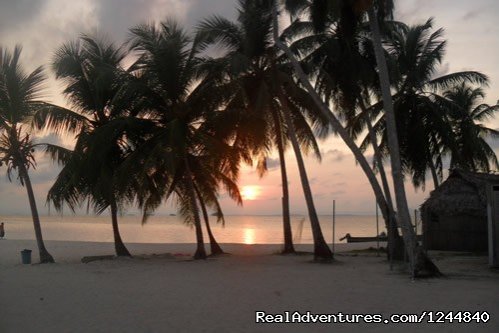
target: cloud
<point>334,155</point>
<point>472,14</point>
<point>116,17</point>
<point>51,138</point>
<point>272,163</point>
<point>45,171</point>
<point>15,14</point>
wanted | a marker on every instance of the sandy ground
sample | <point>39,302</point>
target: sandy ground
<point>170,293</point>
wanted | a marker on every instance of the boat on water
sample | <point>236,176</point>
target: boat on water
<point>382,237</point>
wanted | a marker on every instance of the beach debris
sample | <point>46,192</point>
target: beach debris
<point>88,259</point>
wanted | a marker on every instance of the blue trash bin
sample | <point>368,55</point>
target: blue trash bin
<point>26,256</point>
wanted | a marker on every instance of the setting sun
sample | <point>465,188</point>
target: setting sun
<point>250,192</point>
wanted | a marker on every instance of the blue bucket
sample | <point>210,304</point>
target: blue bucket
<point>26,256</point>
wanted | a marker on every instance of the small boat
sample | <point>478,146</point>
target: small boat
<point>351,239</point>
<point>382,237</point>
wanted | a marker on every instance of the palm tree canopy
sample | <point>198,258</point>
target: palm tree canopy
<point>176,98</point>
<point>95,80</point>
<point>254,75</point>
<point>347,14</point>
<point>20,92</point>
<point>423,126</point>
<point>467,114</point>
<point>20,101</point>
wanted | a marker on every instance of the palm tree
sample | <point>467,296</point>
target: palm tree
<point>472,152</point>
<point>342,64</point>
<point>264,91</point>
<point>349,15</point>
<point>93,73</point>
<point>424,129</point>
<point>333,120</point>
<point>179,156</point>
<point>408,232</point>
<point>19,100</point>
<point>215,248</point>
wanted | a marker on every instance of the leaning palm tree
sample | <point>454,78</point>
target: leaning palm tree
<point>266,104</point>
<point>335,122</point>
<point>19,99</point>
<point>94,77</point>
<point>341,62</point>
<point>350,13</point>
<point>204,200</point>
<point>179,156</point>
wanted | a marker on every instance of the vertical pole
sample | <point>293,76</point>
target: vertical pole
<point>493,224</point>
<point>416,225</point>
<point>334,224</point>
<point>377,230</point>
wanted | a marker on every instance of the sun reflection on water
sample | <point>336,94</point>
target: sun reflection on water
<point>248,236</point>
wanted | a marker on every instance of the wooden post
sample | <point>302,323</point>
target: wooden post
<point>493,224</point>
<point>377,230</point>
<point>416,224</point>
<point>334,224</point>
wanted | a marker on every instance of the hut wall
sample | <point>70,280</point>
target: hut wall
<point>456,233</point>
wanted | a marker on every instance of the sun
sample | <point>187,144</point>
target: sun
<point>250,192</point>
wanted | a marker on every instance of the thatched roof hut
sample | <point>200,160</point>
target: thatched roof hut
<point>455,215</point>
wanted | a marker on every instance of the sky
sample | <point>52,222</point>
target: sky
<point>41,26</point>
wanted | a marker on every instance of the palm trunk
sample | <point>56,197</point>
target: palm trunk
<point>214,246</point>
<point>335,123</point>
<point>119,246</point>
<point>321,249</point>
<point>395,243</point>
<point>434,173</point>
<point>200,250</point>
<point>45,256</point>
<point>286,219</point>
<point>398,180</point>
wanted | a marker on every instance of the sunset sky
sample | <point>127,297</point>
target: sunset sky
<point>41,26</point>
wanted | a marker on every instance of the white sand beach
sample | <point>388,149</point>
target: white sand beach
<point>170,293</point>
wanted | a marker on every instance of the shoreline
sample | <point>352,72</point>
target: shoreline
<point>70,251</point>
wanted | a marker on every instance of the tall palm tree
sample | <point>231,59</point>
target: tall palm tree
<point>335,122</point>
<point>350,14</point>
<point>93,72</point>
<point>264,90</point>
<point>342,64</point>
<point>179,154</point>
<point>19,99</point>
<point>424,129</point>
<point>408,232</point>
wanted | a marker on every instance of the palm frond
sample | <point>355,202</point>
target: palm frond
<point>58,119</point>
<point>450,80</point>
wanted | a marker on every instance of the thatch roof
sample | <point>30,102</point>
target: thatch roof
<point>462,193</point>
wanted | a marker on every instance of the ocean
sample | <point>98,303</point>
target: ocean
<point>171,229</point>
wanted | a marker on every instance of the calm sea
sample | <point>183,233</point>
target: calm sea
<point>171,229</point>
